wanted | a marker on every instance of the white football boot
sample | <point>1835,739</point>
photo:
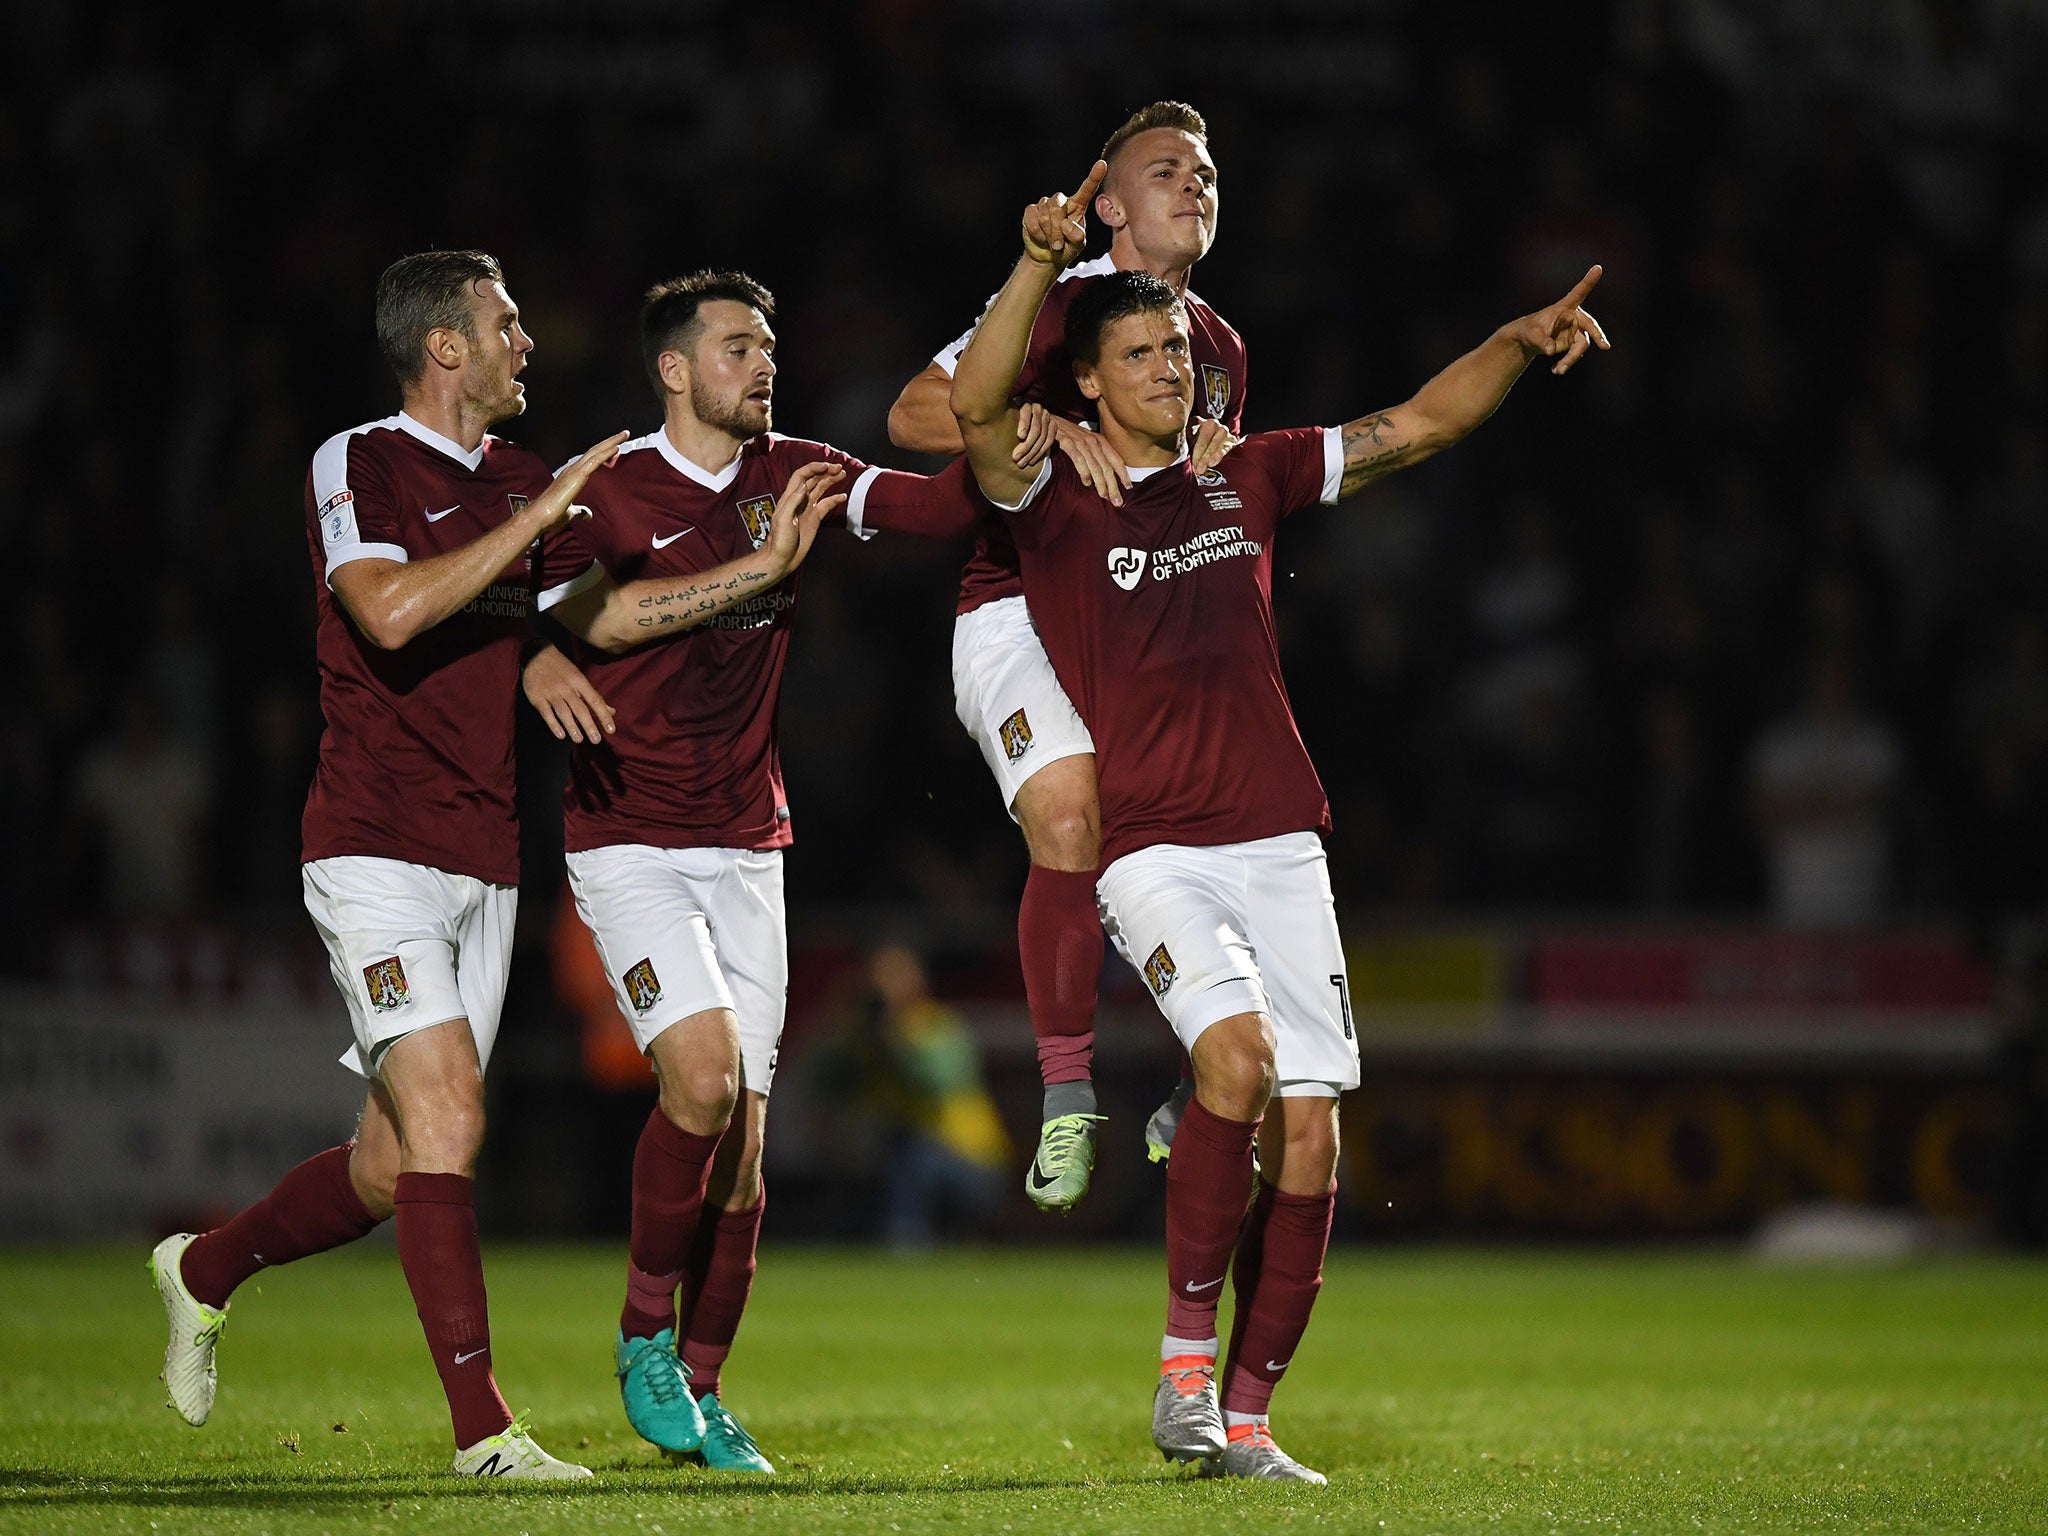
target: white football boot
<point>512,1453</point>
<point>195,1329</point>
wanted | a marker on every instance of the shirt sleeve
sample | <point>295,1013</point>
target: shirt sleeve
<point>1048,335</point>
<point>942,506</point>
<point>565,565</point>
<point>355,504</point>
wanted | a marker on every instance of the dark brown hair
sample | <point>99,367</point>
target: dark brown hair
<point>668,318</point>
<point>430,291</point>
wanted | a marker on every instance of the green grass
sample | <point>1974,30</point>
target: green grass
<point>1009,1391</point>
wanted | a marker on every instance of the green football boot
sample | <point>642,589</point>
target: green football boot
<point>656,1389</point>
<point>1058,1176</point>
<point>727,1447</point>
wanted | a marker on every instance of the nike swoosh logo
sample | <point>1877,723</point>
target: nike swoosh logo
<point>463,1359</point>
<point>1281,1366</point>
<point>1192,1287</point>
<point>661,543</point>
<point>435,517</point>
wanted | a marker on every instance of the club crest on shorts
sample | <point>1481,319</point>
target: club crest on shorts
<point>1159,971</point>
<point>758,512</point>
<point>643,987</point>
<point>1216,389</point>
<point>1015,734</point>
<point>386,982</point>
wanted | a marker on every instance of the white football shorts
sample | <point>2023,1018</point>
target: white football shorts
<point>1241,928</point>
<point>1005,693</point>
<point>680,930</point>
<point>411,947</point>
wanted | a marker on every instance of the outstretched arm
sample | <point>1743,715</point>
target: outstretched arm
<point>393,601</point>
<point>921,420</point>
<point>1055,230</point>
<point>1457,400</point>
<point>615,619</point>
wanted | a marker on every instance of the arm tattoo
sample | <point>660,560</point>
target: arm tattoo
<point>693,604</point>
<point>1371,449</point>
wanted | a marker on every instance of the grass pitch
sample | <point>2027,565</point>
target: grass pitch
<point>1009,1391</point>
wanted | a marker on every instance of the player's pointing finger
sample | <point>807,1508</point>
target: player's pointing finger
<point>1585,286</point>
<point>1085,194</point>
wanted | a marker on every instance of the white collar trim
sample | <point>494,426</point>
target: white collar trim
<point>690,469</point>
<point>470,457</point>
<point>1140,474</point>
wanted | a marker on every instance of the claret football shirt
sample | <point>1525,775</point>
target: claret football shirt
<point>695,761</point>
<point>416,756</point>
<point>1047,379</point>
<point>1158,617</point>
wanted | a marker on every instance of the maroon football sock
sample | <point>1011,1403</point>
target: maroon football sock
<point>671,1166</point>
<point>717,1279</point>
<point>1279,1269</point>
<point>1208,1181</point>
<point>444,1265</point>
<point>1059,941</point>
<point>315,1207</point>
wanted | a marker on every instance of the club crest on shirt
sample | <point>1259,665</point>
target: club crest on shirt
<point>643,987</point>
<point>518,504</point>
<point>1015,735</point>
<point>1159,971</point>
<point>386,983</point>
<point>1127,566</point>
<point>757,512</point>
<point>1216,389</point>
<point>1210,477</point>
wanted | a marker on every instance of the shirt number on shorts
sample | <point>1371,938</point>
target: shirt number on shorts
<point>1343,986</point>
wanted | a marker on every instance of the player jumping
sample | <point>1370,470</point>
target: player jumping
<point>1157,616</point>
<point>676,819</point>
<point>1160,198</point>
<point>428,536</point>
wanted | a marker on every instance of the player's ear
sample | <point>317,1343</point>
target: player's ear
<point>446,347</point>
<point>1109,210</point>
<point>674,369</point>
<point>1086,382</point>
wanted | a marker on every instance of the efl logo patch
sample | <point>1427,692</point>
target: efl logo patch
<point>643,987</point>
<point>1216,389</point>
<point>1015,734</point>
<point>386,981</point>
<point>1127,567</point>
<point>758,512</point>
<point>1159,971</point>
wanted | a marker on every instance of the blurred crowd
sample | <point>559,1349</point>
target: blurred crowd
<point>1749,615</point>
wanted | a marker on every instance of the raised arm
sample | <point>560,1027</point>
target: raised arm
<point>615,619</point>
<point>1055,230</point>
<point>394,601</point>
<point>1457,400</point>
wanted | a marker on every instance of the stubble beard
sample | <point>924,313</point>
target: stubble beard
<point>740,418</point>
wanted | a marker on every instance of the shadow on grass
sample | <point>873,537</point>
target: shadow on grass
<point>38,1488</point>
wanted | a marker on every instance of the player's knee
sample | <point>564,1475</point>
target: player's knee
<point>1068,837</point>
<point>373,1172</point>
<point>699,1095</point>
<point>1234,1074</point>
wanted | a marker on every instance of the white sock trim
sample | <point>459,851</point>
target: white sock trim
<point>1234,1420</point>
<point>1169,1346</point>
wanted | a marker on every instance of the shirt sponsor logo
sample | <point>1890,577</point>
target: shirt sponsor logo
<point>643,987</point>
<point>758,512</point>
<point>386,983</point>
<point>1160,972</point>
<point>500,600</point>
<point>1127,566</point>
<point>1204,549</point>
<point>757,612</point>
<point>1215,390</point>
<point>1015,735</point>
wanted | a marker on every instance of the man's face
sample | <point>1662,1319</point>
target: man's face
<point>496,354</point>
<point>732,368</point>
<point>1163,187</point>
<point>1142,375</point>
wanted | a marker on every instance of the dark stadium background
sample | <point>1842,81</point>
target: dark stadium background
<point>1539,675</point>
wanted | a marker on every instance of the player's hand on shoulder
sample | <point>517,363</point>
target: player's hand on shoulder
<point>806,501</point>
<point>1037,435</point>
<point>572,707</point>
<point>1212,444</point>
<point>557,504</point>
<point>1100,466</point>
<point>1056,227</point>
<point>1565,330</point>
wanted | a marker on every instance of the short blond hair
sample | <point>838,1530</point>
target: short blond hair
<point>1161,114</point>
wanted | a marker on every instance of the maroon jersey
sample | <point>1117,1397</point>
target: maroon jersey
<point>694,762</point>
<point>416,757</point>
<point>1047,379</point>
<point>1158,617</point>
